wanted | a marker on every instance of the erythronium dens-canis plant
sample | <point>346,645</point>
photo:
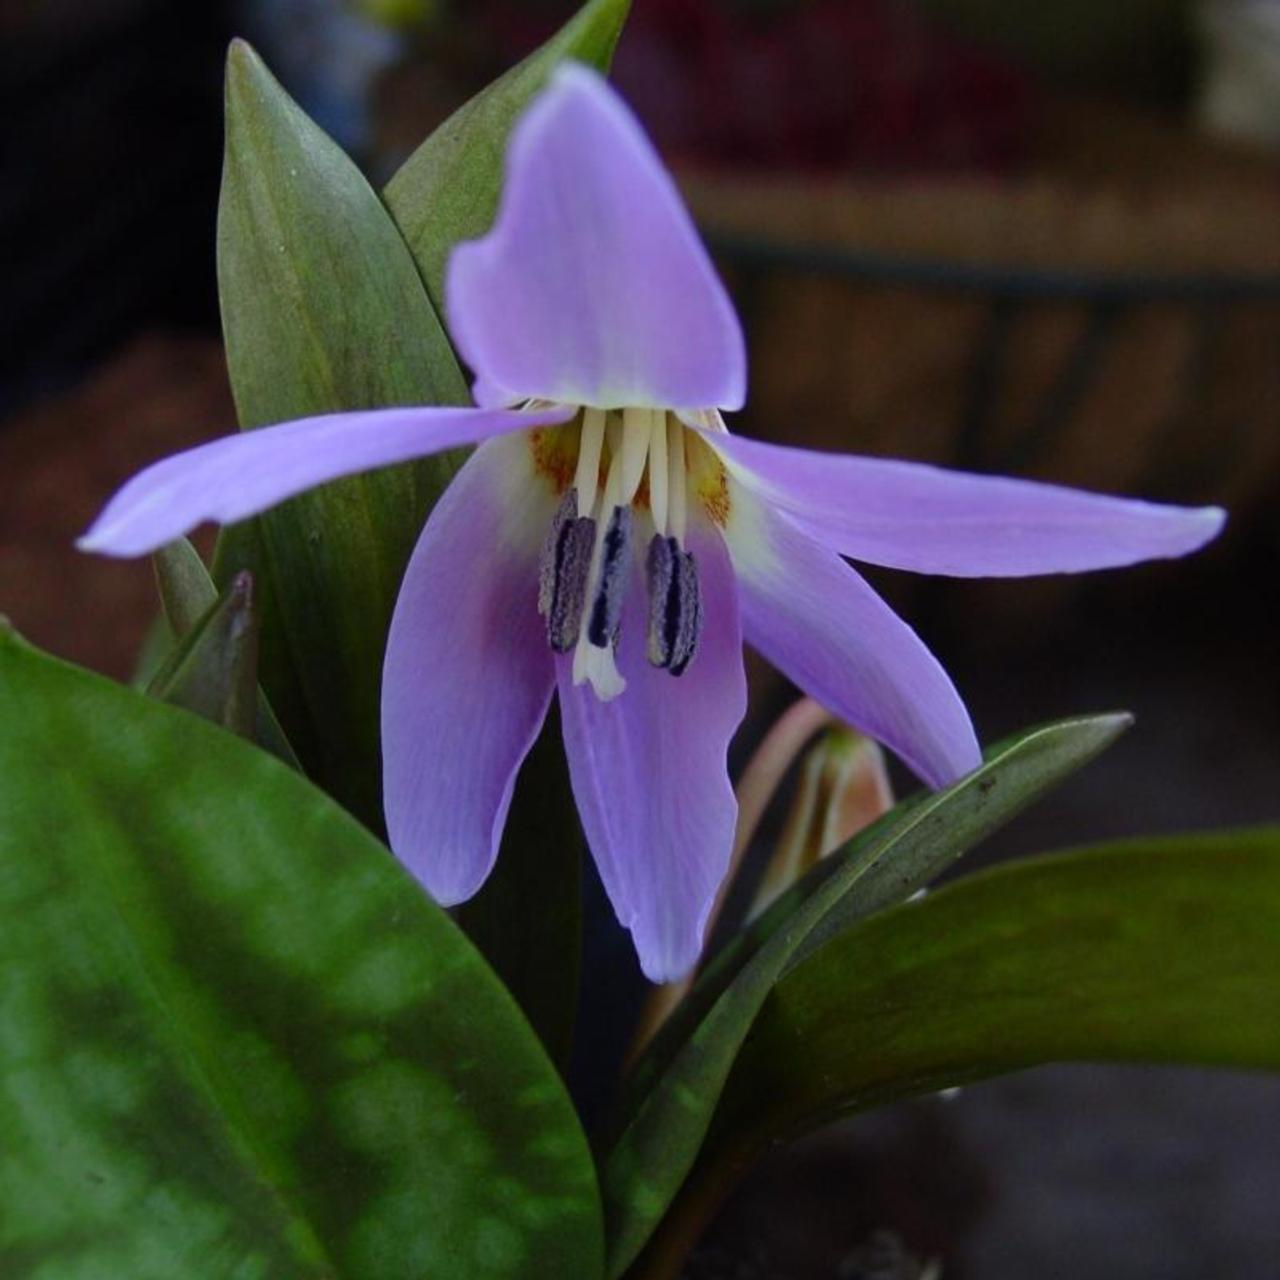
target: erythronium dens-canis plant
<point>611,541</point>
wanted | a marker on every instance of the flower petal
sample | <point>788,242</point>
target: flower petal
<point>592,287</point>
<point>820,623</point>
<point>240,475</point>
<point>650,777</point>
<point>910,516</point>
<point>468,674</point>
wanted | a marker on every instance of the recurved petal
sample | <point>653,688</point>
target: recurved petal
<point>906,515</point>
<point>240,475</point>
<point>468,675</point>
<point>650,777</point>
<point>592,287</point>
<point>817,620</point>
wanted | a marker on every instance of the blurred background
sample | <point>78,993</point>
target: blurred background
<point>1039,239</point>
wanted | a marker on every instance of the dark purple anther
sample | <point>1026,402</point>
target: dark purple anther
<point>675,605</point>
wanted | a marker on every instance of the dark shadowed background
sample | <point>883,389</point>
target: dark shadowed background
<point>1039,239</point>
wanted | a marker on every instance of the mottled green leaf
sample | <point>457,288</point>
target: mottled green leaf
<point>1147,951</point>
<point>676,1084</point>
<point>323,310</point>
<point>236,1040</point>
<point>213,670</point>
<point>187,594</point>
<point>448,189</point>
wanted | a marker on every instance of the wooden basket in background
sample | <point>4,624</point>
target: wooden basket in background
<point>1110,318</point>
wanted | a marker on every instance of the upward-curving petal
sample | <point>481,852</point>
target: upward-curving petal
<point>468,675</point>
<point>819,622</point>
<point>240,475</point>
<point>592,287</point>
<point>650,776</point>
<point>906,515</point>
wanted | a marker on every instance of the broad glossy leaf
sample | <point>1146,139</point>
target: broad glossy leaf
<point>213,670</point>
<point>448,189</point>
<point>323,310</point>
<point>677,1082</point>
<point>236,1040</point>
<point>1147,951</point>
<point>187,594</point>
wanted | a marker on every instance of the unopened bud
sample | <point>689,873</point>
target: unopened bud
<point>843,787</point>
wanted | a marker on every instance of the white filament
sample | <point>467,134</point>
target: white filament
<point>587,477</point>
<point>637,425</point>
<point>658,472</point>
<point>677,500</point>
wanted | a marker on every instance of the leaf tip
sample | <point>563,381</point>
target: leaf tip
<point>1113,723</point>
<point>241,589</point>
<point>245,68</point>
<point>240,53</point>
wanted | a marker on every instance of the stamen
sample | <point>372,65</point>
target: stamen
<point>563,569</point>
<point>547,556</point>
<point>573,564</point>
<point>660,572</point>
<point>606,605</point>
<point>658,472</point>
<point>677,503</point>
<point>587,477</point>
<point>636,427</point>
<point>690,615</point>
<point>675,605</point>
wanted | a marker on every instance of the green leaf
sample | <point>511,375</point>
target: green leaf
<point>670,1101</point>
<point>448,189</point>
<point>323,310</point>
<point>236,1040</point>
<point>213,671</point>
<point>186,587</point>
<point>157,644</point>
<point>187,594</point>
<point>1146,951</point>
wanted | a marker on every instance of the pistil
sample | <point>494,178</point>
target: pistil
<point>592,661</point>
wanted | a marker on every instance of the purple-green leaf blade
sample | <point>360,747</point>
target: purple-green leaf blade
<point>213,669</point>
<point>673,1091</point>
<point>187,595</point>
<point>323,310</point>
<point>236,1039</point>
<point>1155,950</point>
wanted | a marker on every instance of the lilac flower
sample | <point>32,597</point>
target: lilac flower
<point>611,542</point>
